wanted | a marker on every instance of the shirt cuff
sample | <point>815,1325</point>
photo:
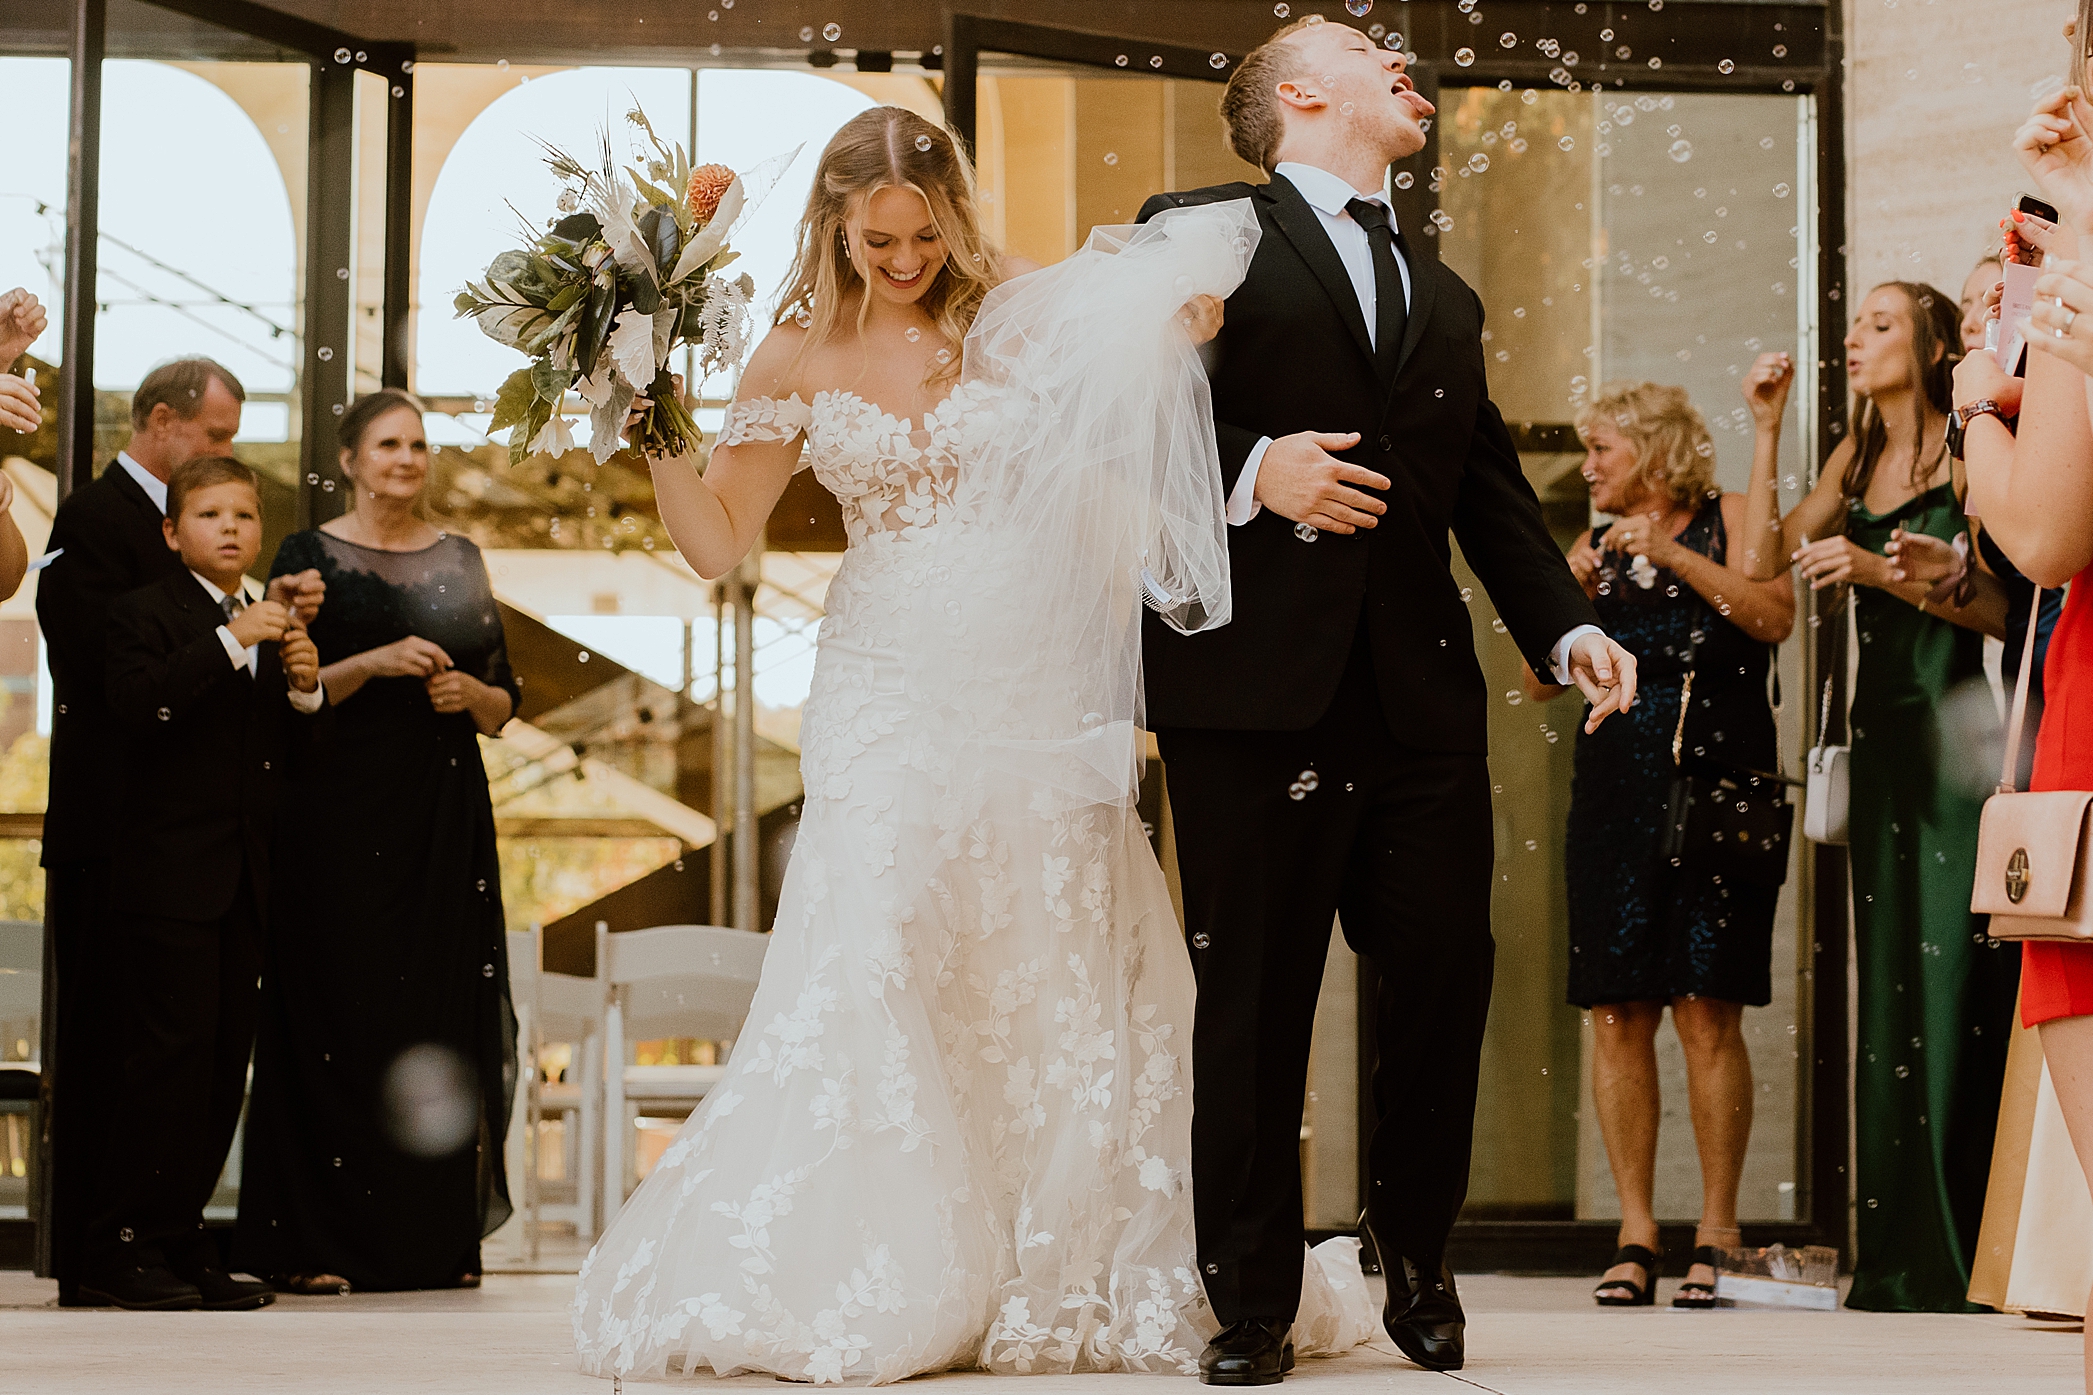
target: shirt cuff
<point>1242,500</point>
<point>234,650</point>
<point>1559,657</point>
<point>309,702</point>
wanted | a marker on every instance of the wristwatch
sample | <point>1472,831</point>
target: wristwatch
<point>1961,417</point>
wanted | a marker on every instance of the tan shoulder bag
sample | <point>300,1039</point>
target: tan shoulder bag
<point>2033,847</point>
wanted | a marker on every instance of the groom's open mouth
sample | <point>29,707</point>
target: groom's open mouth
<point>1410,95</point>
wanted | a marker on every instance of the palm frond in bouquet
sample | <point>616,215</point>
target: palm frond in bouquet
<point>633,269</point>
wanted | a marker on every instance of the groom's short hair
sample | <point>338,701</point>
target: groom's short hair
<point>1250,102</point>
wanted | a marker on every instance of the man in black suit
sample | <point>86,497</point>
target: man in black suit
<point>1326,749</point>
<point>209,685</point>
<point>105,541</point>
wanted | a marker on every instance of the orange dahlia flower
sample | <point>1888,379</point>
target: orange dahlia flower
<point>708,185</point>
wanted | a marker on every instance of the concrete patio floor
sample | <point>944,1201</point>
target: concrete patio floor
<point>1526,1336</point>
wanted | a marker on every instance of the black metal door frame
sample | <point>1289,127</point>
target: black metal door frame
<point>1704,46</point>
<point>334,58</point>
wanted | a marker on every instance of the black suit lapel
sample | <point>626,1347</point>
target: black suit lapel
<point>1305,230</point>
<point>1423,290</point>
<point>120,480</point>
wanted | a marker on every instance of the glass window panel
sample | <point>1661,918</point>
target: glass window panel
<point>1658,236</point>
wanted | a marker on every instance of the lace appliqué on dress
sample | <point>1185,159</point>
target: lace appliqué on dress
<point>765,419</point>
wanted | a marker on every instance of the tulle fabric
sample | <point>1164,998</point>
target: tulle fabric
<point>956,1129</point>
<point>1095,486</point>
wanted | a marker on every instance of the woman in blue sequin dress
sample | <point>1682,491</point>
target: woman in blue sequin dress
<point>1642,935</point>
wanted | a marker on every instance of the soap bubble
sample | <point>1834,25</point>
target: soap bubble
<point>1281,11</point>
<point>1358,7</point>
<point>1507,40</point>
<point>1309,779</point>
<point>1217,60</point>
<point>912,334</point>
<point>806,33</point>
<point>165,715</point>
<point>1479,162</point>
<point>1681,151</point>
<point>1465,57</point>
<point>1306,532</point>
<point>1514,697</point>
<point>1405,179</point>
<point>341,55</point>
<point>1725,67</point>
<point>1566,143</point>
<point>923,143</point>
<point>1780,191</point>
<point>1111,157</point>
<point>326,354</point>
<point>431,1104</point>
<point>832,32</point>
<point>1120,61</point>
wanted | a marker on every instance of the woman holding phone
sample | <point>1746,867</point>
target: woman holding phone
<point>1935,994</point>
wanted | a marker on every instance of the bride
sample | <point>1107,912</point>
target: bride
<point>956,1129</point>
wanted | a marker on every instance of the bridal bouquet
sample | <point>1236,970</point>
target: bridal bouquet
<point>602,298</point>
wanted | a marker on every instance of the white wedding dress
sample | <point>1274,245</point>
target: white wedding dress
<point>956,1129</point>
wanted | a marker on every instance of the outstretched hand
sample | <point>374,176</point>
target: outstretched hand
<point>22,322</point>
<point>1605,673</point>
<point>299,592</point>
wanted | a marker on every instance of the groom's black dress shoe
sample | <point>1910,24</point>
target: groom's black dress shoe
<point>1423,1314</point>
<point>149,1287</point>
<point>1255,1351</point>
<point>222,1293</point>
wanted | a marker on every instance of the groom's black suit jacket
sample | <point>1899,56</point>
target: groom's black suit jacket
<point>1294,355</point>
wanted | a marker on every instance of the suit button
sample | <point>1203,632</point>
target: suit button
<point>1386,445</point>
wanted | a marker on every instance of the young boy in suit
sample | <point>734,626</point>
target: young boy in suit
<point>211,687</point>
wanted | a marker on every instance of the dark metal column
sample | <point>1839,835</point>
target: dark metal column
<point>399,224</point>
<point>82,229</point>
<point>330,210</point>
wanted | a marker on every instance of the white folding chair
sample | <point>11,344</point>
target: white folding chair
<point>670,981</point>
<point>552,1007</point>
<point>21,1018</point>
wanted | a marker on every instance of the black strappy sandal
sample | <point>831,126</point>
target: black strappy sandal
<point>1640,1295</point>
<point>1692,1293</point>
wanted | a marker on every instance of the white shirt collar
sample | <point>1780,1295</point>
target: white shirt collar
<point>155,488</point>
<point>218,596</point>
<point>1325,192</point>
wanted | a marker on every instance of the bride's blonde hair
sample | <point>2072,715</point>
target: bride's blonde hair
<point>890,148</point>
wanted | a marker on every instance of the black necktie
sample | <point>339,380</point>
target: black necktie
<point>1392,314</point>
<point>232,605</point>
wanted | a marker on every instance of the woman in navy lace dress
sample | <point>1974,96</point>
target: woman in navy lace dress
<point>385,1060</point>
<point>1642,934</point>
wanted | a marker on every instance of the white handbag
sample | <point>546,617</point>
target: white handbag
<point>1826,796</point>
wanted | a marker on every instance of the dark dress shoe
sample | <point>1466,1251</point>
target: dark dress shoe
<point>150,1287</point>
<point>222,1293</point>
<point>1423,1314</point>
<point>1255,1351</point>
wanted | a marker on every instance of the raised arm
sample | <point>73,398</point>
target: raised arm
<point>716,516</point>
<point>1767,541</point>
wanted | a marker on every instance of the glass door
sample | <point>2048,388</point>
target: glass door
<point>1653,210</point>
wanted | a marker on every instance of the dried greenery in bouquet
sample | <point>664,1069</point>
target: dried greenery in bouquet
<point>631,271</point>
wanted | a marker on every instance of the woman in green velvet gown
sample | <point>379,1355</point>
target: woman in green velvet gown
<point>1936,994</point>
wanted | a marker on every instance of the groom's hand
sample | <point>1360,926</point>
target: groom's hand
<point>1301,480</point>
<point>1605,673</point>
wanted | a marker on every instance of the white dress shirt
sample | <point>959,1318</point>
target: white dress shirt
<point>1327,195</point>
<point>155,488</point>
<point>249,656</point>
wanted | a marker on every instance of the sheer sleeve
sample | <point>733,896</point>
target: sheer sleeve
<point>764,419</point>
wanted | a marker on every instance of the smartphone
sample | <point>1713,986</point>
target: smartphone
<point>2030,204</point>
<point>2016,304</point>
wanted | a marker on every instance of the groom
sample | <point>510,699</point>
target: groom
<point>1326,749</point>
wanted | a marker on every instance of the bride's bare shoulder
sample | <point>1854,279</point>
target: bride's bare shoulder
<point>1015,266</point>
<point>776,365</point>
